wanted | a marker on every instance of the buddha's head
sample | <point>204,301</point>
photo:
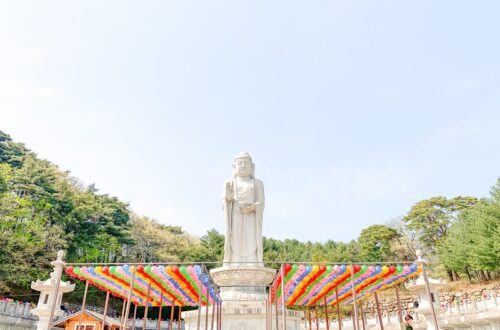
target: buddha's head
<point>243,165</point>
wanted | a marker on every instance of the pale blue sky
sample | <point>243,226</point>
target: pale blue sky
<point>352,110</point>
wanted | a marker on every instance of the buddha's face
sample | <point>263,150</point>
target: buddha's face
<point>243,167</point>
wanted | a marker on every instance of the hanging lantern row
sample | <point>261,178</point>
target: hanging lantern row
<point>310,285</point>
<point>165,285</point>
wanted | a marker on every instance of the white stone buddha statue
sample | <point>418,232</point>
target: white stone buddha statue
<point>243,210</point>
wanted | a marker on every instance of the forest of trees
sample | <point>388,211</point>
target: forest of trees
<point>43,209</point>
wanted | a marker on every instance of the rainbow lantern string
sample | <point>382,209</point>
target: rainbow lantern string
<point>169,284</point>
<point>310,285</point>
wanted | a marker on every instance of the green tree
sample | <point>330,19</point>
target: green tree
<point>208,249</point>
<point>29,241</point>
<point>10,152</point>
<point>155,242</point>
<point>42,210</point>
<point>90,220</point>
<point>471,245</point>
<point>273,252</point>
<point>375,243</point>
<point>484,220</point>
<point>455,250</point>
<point>213,243</point>
<point>406,245</point>
<point>431,218</point>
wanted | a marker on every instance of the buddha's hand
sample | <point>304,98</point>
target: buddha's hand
<point>228,187</point>
<point>247,207</point>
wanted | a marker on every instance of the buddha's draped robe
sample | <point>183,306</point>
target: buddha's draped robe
<point>243,243</point>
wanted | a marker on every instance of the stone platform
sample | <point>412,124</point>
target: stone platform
<point>243,283</point>
<point>243,289</point>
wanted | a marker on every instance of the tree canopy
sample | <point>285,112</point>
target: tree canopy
<point>473,239</point>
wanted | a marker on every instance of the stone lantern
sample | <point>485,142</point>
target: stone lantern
<point>428,304</point>
<point>51,291</point>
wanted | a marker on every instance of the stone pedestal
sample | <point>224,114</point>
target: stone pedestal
<point>243,283</point>
<point>244,300</point>
<point>418,286</point>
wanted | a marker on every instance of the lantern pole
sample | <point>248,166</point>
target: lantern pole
<point>283,298</point>
<point>207,309</point>
<point>326,315</point>
<point>426,279</point>
<point>146,306</point>
<point>135,316</point>
<point>310,318</point>
<point>277,312</point>
<point>339,319</point>
<point>355,307</point>
<point>316,316</point>
<point>129,300</point>
<point>172,310</point>
<point>83,305</point>
<point>216,316</point>
<point>159,312</point>
<point>220,316</point>
<point>353,319</point>
<point>200,301</point>
<point>124,304</point>
<point>268,321</point>
<point>355,326</point>
<point>398,299</point>
<point>362,315</point>
<point>379,315</point>
<point>180,318</point>
<point>213,316</point>
<point>105,310</point>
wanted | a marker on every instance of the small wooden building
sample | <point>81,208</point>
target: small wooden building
<point>90,321</point>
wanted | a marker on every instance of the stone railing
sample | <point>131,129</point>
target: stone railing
<point>153,324</point>
<point>454,302</point>
<point>470,303</point>
<point>473,308</point>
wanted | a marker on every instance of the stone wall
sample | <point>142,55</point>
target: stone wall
<point>16,316</point>
<point>389,306</point>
